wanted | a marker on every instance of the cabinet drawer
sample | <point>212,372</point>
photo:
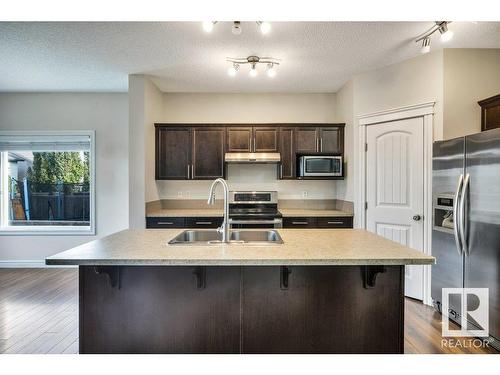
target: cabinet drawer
<point>334,222</point>
<point>203,222</point>
<point>299,222</point>
<point>164,222</point>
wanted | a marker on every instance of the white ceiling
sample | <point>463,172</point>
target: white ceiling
<point>181,57</point>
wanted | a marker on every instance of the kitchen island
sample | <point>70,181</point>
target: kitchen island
<point>321,291</point>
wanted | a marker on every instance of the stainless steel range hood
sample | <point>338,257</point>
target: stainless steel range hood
<point>252,157</point>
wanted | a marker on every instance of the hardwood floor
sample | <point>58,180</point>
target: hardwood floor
<point>39,310</point>
<point>39,314</point>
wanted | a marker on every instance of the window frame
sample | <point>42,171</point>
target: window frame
<point>50,230</point>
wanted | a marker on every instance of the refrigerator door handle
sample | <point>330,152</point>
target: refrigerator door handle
<point>456,215</point>
<point>463,227</point>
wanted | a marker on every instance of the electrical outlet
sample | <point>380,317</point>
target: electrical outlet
<point>304,193</point>
<point>179,194</point>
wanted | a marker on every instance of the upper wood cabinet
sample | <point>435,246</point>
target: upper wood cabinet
<point>324,139</point>
<point>287,149</point>
<point>196,151</point>
<point>239,139</point>
<point>173,153</point>
<point>252,139</point>
<point>331,140</point>
<point>208,153</point>
<point>187,153</point>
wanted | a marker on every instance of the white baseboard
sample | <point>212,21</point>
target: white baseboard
<point>28,264</point>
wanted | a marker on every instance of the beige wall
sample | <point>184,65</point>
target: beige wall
<point>469,76</point>
<point>241,108</point>
<point>104,113</point>
<point>410,82</point>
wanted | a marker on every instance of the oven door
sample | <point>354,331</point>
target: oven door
<point>255,223</point>
<point>321,166</point>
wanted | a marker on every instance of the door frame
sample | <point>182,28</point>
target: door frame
<point>426,111</point>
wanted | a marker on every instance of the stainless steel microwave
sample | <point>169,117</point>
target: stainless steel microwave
<point>320,166</point>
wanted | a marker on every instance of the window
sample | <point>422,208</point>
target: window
<point>47,182</point>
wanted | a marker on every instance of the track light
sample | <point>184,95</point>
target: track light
<point>426,45</point>
<point>265,27</point>
<point>233,70</point>
<point>425,38</point>
<point>270,62</point>
<point>271,71</point>
<point>446,35</point>
<point>208,26</point>
<point>236,29</point>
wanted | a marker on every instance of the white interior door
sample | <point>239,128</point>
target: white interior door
<point>394,188</point>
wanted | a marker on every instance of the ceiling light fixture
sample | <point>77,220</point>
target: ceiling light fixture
<point>271,72</point>
<point>236,28</point>
<point>208,26</point>
<point>425,38</point>
<point>265,27</point>
<point>233,70</point>
<point>270,62</point>
<point>426,45</point>
<point>446,35</point>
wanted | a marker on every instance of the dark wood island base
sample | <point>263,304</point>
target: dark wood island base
<point>241,309</point>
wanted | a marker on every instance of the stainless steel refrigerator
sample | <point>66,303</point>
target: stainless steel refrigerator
<point>466,221</point>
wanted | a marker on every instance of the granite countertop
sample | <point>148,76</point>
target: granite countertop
<point>300,247</point>
<point>204,212</point>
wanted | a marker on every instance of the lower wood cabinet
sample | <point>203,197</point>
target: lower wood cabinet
<point>318,222</point>
<point>164,222</point>
<point>247,309</point>
<point>203,222</point>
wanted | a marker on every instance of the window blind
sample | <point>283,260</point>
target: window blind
<point>44,143</point>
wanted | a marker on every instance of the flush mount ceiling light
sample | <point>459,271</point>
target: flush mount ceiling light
<point>270,62</point>
<point>425,38</point>
<point>265,27</point>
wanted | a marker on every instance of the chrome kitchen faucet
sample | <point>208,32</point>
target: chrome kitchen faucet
<point>224,228</point>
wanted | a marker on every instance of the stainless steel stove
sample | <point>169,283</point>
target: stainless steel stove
<point>254,209</point>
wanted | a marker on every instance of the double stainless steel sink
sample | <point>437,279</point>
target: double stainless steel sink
<point>212,237</point>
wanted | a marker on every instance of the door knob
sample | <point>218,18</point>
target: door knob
<point>417,217</point>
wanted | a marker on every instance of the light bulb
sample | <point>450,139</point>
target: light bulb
<point>426,45</point>
<point>208,26</point>
<point>447,36</point>
<point>236,29</point>
<point>265,27</point>
<point>253,71</point>
<point>271,71</point>
<point>233,70</point>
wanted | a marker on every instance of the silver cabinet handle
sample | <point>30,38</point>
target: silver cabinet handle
<point>281,170</point>
<point>300,222</point>
<point>165,223</point>
<point>189,171</point>
<point>203,222</point>
<point>335,222</point>
<point>456,214</point>
<point>192,171</point>
<point>463,237</point>
<point>321,145</point>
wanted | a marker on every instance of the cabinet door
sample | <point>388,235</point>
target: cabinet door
<point>160,310</point>
<point>173,153</point>
<point>287,149</point>
<point>265,139</point>
<point>299,222</point>
<point>239,139</point>
<point>204,222</point>
<point>307,140</point>
<point>208,153</point>
<point>332,140</point>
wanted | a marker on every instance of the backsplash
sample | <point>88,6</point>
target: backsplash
<point>250,177</point>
